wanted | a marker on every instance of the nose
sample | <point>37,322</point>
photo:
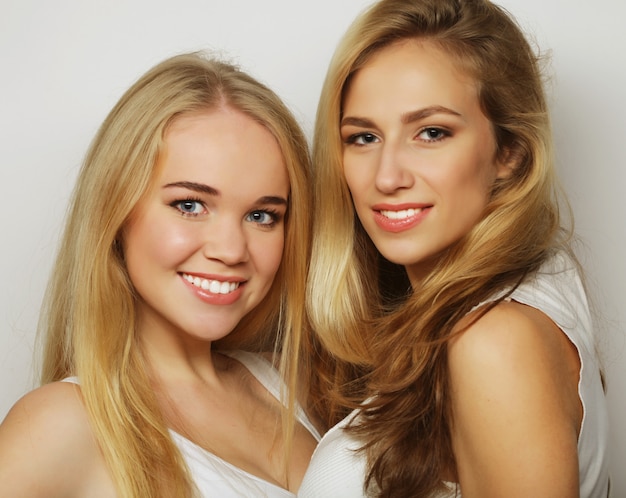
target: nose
<point>392,173</point>
<point>226,242</point>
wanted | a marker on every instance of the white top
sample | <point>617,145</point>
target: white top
<point>215,477</point>
<point>338,471</point>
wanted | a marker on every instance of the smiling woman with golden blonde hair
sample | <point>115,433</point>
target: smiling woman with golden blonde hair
<point>186,244</point>
<point>442,270</point>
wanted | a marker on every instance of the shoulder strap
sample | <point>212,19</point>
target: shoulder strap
<point>270,379</point>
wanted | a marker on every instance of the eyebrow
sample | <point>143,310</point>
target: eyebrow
<point>406,118</point>
<point>413,116</point>
<point>196,187</point>
<point>206,189</point>
<point>272,200</point>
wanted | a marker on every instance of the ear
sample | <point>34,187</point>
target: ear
<point>509,158</point>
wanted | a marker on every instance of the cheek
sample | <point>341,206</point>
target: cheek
<point>153,242</point>
<point>349,163</point>
<point>467,196</point>
<point>356,178</point>
<point>268,254</point>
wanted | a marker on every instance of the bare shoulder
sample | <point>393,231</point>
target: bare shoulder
<point>513,335</point>
<point>52,414</point>
<point>516,411</point>
<point>46,444</point>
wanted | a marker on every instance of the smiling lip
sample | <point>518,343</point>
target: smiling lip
<point>398,218</point>
<point>214,289</point>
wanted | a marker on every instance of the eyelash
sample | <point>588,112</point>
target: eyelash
<point>177,205</point>
<point>442,133</point>
<point>275,216</point>
<point>353,139</point>
<point>356,137</point>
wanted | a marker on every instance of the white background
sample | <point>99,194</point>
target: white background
<point>63,65</point>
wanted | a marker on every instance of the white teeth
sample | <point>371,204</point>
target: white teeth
<point>400,215</point>
<point>213,286</point>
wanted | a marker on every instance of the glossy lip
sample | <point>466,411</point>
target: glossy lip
<point>209,297</point>
<point>400,225</point>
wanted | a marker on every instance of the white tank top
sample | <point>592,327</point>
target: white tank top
<point>338,471</point>
<point>215,477</point>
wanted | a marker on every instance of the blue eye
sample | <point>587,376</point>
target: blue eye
<point>189,207</point>
<point>264,218</point>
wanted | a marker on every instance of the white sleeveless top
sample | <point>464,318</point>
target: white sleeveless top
<point>215,477</point>
<point>337,470</point>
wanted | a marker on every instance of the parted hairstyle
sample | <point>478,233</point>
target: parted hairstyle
<point>405,423</point>
<point>88,321</point>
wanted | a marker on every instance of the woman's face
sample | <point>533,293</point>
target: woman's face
<point>419,156</point>
<point>204,245</point>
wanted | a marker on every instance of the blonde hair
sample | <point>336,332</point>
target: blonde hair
<point>88,319</point>
<point>405,426</point>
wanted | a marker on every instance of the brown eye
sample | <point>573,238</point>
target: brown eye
<point>362,139</point>
<point>432,134</point>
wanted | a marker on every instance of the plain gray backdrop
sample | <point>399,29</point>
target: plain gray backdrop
<point>65,63</point>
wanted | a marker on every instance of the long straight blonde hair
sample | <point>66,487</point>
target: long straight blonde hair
<point>88,321</point>
<point>405,425</point>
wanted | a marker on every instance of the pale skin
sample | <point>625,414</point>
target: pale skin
<point>215,213</point>
<point>47,448</point>
<point>517,415</point>
<point>420,159</point>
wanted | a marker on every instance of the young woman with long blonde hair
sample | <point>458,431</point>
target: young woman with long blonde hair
<point>442,269</point>
<point>186,243</point>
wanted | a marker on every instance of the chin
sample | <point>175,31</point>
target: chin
<point>404,258</point>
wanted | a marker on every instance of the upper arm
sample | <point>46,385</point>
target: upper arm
<point>516,413</point>
<point>46,446</point>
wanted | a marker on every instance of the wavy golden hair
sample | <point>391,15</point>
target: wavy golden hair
<point>88,322</point>
<point>405,425</point>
